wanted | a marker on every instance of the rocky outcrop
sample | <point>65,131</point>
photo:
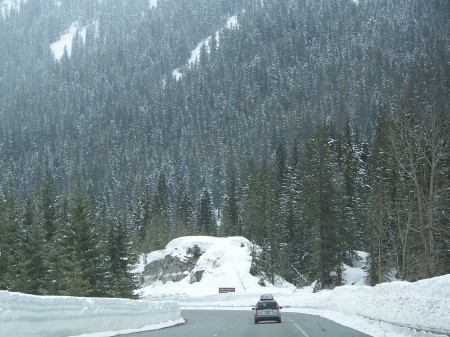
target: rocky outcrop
<point>196,276</point>
<point>194,259</point>
<point>170,268</point>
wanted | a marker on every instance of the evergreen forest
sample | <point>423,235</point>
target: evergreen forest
<point>314,128</point>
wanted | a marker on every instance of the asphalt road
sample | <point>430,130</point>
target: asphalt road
<point>239,323</point>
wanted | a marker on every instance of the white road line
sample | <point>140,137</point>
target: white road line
<point>301,330</point>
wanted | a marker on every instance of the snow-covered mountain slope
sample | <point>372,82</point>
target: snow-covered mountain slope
<point>66,39</point>
<point>231,23</point>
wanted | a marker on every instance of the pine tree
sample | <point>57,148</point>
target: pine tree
<point>142,213</point>
<point>260,219</point>
<point>206,219</point>
<point>84,255</point>
<point>59,252</point>
<point>33,254</point>
<point>121,259</point>
<point>184,217</point>
<point>9,239</point>
<point>231,224</point>
<point>321,206</point>
<point>161,200</point>
<point>297,234</point>
<point>48,207</point>
<point>383,178</point>
<point>350,169</point>
<point>159,230</point>
<point>76,279</point>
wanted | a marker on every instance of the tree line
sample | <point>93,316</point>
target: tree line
<point>64,245</point>
<point>308,210</point>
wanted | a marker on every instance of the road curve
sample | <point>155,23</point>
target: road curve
<point>239,323</point>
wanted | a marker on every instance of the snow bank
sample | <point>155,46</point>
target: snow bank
<point>397,308</point>
<point>423,305</point>
<point>29,316</point>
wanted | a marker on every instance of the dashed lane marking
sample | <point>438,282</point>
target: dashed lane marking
<point>300,329</point>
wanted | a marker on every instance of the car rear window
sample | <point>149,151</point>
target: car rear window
<point>267,305</point>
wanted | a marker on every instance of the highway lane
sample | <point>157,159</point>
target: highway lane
<point>239,323</point>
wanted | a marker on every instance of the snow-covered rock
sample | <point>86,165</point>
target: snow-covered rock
<point>221,262</point>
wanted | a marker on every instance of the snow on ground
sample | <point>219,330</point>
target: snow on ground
<point>396,309</point>
<point>65,41</point>
<point>153,3</point>
<point>231,23</point>
<point>7,5</point>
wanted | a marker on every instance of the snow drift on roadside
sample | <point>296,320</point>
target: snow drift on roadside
<point>24,315</point>
<point>422,305</point>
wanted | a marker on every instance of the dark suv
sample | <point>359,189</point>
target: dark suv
<point>267,309</point>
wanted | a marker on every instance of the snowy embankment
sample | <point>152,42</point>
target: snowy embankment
<point>422,305</point>
<point>36,316</point>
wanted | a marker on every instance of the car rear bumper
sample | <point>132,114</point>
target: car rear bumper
<point>261,318</point>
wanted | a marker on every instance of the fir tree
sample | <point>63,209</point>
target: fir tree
<point>48,207</point>
<point>261,222</point>
<point>231,223</point>
<point>9,240</point>
<point>206,220</point>
<point>159,230</point>
<point>121,259</point>
<point>84,257</point>
<point>383,177</point>
<point>184,217</point>
<point>33,252</point>
<point>321,206</point>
